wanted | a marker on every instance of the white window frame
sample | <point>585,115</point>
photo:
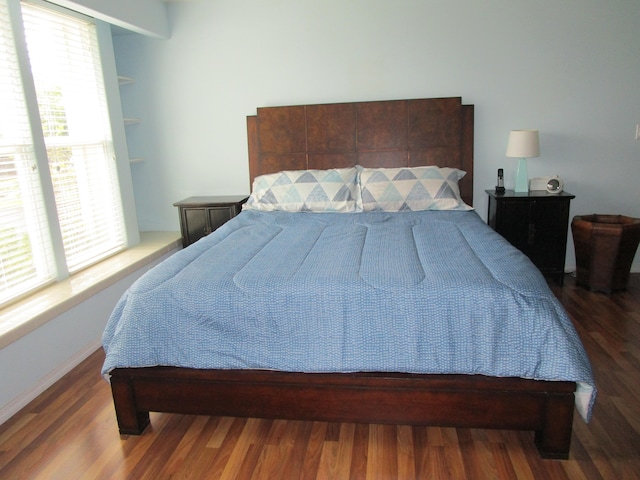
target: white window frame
<point>117,127</point>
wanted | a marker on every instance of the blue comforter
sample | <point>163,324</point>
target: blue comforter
<point>421,292</point>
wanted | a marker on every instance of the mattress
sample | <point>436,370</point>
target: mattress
<point>416,292</point>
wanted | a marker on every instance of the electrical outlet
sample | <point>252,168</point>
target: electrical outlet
<point>638,131</point>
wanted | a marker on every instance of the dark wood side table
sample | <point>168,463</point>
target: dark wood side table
<point>199,216</point>
<point>536,223</point>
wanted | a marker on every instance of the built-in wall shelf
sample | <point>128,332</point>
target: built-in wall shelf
<point>123,81</point>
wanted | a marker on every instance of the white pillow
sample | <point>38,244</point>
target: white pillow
<point>334,190</point>
<point>411,189</point>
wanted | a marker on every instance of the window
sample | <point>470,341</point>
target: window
<point>60,207</point>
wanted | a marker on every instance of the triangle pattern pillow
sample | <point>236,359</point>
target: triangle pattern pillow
<point>411,189</point>
<point>334,190</point>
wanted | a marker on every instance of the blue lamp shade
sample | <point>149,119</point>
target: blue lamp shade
<point>523,144</point>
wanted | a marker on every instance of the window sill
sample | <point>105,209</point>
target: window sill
<point>20,318</point>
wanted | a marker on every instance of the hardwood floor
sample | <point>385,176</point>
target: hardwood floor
<point>70,430</point>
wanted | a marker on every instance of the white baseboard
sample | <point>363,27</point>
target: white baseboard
<point>18,403</point>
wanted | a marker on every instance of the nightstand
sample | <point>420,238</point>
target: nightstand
<point>536,223</point>
<point>199,216</point>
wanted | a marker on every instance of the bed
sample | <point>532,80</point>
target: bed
<point>350,277</point>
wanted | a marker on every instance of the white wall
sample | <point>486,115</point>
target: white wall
<point>569,69</point>
<point>35,361</point>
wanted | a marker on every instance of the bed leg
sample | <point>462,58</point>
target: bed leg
<point>130,420</point>
<point>554,438</point>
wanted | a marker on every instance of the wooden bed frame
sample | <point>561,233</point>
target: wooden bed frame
<point>383,133</point>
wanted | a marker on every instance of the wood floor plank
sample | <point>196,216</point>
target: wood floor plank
<point>243,458</point>
<point>314,450</point>
<point>360,452</point>
<point>453,462</point>
<point>204,461</point>
<point>436,466</point>
<point>518,459</point>
<point>382,460</point>
<point>70,430</point>
<point>299,436</point>
<point>582,467</point>
<point>503,466</point>
<point>406,453</point>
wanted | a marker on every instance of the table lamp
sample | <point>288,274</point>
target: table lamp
<point>523,144</point>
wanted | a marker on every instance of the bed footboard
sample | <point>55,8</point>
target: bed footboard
<point>436,400</point>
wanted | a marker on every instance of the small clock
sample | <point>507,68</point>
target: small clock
<point>555,185</point>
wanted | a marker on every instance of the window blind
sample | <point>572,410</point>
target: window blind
<point>61,210</point>
<point>65,62</point>
<point>26,258</point>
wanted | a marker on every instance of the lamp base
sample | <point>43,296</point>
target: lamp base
<point>522,178</point>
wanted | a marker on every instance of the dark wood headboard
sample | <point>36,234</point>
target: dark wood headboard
<point>394,133</point>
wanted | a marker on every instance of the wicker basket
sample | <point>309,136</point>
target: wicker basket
<point>605,246</point>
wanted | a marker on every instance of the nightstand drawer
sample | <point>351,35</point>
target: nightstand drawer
<point>199,216</point>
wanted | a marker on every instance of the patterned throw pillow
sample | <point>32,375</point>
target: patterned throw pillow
<point>334,190</point>
<point>411,189</point>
